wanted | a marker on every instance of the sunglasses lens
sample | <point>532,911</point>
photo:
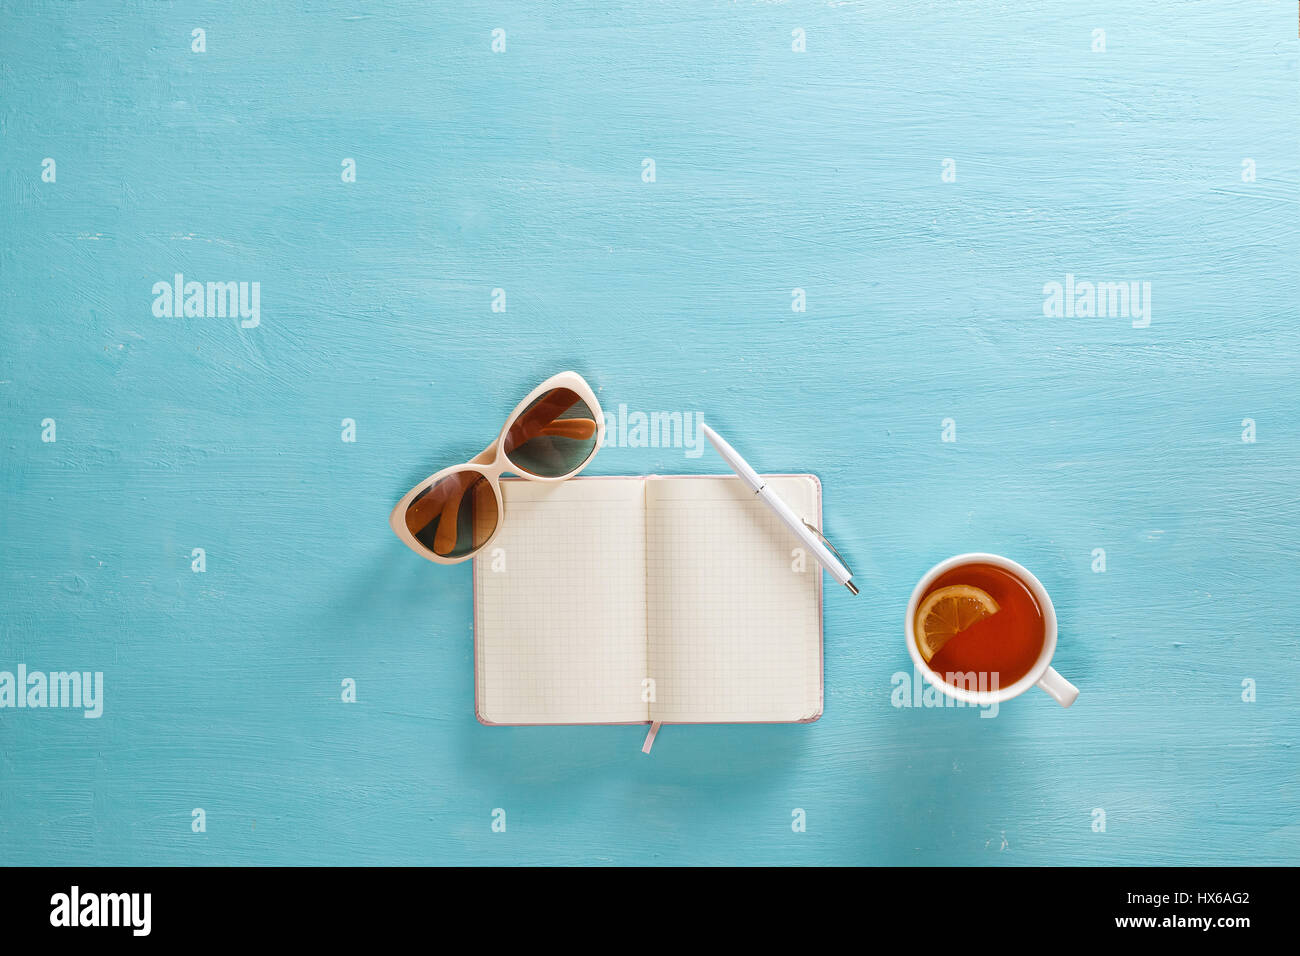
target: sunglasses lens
<point>554,436</point>
<point>455,515</point>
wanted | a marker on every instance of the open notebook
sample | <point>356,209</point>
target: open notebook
<point>648,600</point>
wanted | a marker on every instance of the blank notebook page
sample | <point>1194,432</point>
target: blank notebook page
<point>734,610</point>
<point>560,612</point>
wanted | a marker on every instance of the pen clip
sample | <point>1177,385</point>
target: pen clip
<point>817,532</point>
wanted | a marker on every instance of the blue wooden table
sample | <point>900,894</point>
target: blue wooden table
<point>843,233</point>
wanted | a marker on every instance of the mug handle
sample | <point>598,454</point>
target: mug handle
<point>1061,689</point>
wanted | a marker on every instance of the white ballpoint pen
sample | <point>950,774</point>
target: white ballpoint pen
<point>813,539</point>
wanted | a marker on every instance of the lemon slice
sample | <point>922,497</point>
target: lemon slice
<point>947,612</point>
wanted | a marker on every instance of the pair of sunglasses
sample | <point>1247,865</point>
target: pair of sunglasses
<point>550,436</point>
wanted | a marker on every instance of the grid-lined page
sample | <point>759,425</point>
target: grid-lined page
<point>560,614</point>
<point>734,605</point>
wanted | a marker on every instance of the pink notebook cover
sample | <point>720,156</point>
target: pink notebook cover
<point>821,692</point>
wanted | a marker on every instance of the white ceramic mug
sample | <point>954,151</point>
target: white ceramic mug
<point>1042,673</point>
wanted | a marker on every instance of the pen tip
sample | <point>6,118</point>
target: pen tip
<point>851,586</point>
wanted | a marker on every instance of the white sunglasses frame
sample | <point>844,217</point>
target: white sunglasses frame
<point>492,462</point>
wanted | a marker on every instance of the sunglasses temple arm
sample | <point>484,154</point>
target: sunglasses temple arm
<point>579,429</point>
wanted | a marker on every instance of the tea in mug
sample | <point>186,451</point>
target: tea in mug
<point>981,619</point>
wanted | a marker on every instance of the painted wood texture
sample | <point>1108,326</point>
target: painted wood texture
<point>522,170</point>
